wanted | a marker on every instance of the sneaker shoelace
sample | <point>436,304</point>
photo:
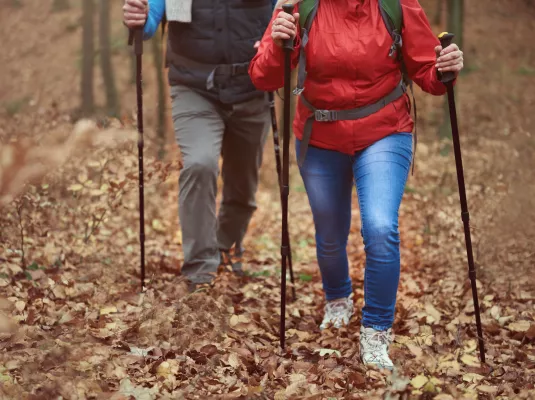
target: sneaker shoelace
<point>378,339</point>
<point>336,310</point>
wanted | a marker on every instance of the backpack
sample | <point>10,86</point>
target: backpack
<point>393,18</point>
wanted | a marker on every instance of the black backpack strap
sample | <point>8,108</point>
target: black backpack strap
<point>301,69</point>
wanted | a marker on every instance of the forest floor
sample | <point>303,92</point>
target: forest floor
<point>73,324</point>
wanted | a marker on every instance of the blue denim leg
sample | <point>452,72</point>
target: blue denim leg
<point>328,179</point>
<point>381,172</point>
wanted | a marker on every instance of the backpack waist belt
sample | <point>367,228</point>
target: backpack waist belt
<point>213,71</point>
<point>343,115</point>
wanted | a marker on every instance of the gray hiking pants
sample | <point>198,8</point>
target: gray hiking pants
<point>206,130</point>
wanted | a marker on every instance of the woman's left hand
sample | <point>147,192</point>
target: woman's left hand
<point>449,59</point>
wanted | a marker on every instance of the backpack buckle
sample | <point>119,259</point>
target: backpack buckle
<point>396,46</point>
<point>392,50</point>
<point>297,91</point>
<point>323,116</point>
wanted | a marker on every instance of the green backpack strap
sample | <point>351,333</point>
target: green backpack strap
<point>307,12</point>
<point>305,9</point>
<point>393,19</point>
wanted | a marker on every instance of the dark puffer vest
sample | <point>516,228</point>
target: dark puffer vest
<point>211,54</point>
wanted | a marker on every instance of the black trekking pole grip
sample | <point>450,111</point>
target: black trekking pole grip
<point>445,40</point>
<point>288,44</point>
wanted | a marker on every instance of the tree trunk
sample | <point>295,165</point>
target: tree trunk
<point>60,5</point>
<point>112,103</point>
<point>455,26</point>
<point>88,54</point>
<point>437,20</point>
<point>158,64</point>
<point>456,20</point>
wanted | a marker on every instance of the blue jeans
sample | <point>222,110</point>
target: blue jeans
<point>380,172</point>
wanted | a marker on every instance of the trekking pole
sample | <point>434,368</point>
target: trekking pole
<point>279,168</point>
<point>135,37</point>
<point>285,191</point>
<point>447,78</point>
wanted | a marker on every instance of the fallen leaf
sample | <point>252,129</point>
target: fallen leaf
<point>433,313</point>
<point>234,360</point>
<point>164,369</point>
<point>520,326</point>
<point>75,188</point>
<point>158,226</point>
<point>108,310</point>
<point>323,352</point>
<point>37,274</point>
<point>472,377</point>
<point>503,320</point>
<point>470,346</point>
<point>297,381</point>
<point>67,317</point>
<point>487,389</point>
<point>59,292</point>
<point>495,312</point>
<point>419,240</point>
<point>138,392</point>
<point>297,378</point>
<point>238,319</point>
<point>443,396</point>
<point>12,364</point>
<point>7,325</point>
<point>470,360</point>
<point>419,381</point>
<point>136,351</point>
<point>20,305</point>
<point>417,351</point>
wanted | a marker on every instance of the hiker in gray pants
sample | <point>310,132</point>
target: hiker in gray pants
<point>216,111</point>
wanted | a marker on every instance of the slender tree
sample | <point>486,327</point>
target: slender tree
<point>60,5</point>
<point>158,64</point>
<point>88,55</point>
<point>438,12</point>
<point>112,102</point>
<point>456,20</point>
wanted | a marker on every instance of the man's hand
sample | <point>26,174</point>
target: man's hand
<point>135,13</point>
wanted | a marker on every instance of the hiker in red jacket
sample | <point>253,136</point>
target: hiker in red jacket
<point>353,126</point>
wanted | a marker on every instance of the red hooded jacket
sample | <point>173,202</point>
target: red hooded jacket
<point>348,67</point>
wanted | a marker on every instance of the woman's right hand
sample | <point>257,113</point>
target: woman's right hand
<point>135,13</point>
<point>284,27</point>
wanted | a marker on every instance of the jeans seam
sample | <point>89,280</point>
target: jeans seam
<point>362,236</point>
<point>399,235</point>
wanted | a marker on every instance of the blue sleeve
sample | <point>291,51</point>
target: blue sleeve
<point>156,11</point>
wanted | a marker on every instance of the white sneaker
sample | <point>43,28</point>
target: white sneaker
<point>338,312</point>
<point>374,347</point>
